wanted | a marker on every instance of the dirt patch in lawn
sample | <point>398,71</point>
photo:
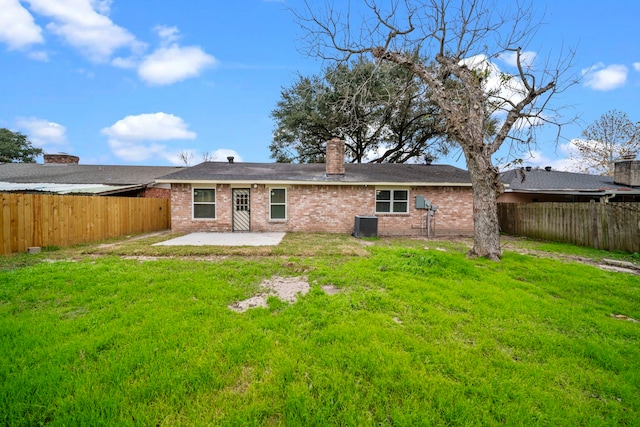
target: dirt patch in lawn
<point>285,288</point>
<point>331,290</point>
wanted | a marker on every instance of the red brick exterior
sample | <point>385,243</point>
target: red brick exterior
<point>61,159</point>
<point>156,193</point>
<point>328,208</point>
<point>335,157</point>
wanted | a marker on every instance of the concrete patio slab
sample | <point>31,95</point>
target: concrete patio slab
<point>225,239</point>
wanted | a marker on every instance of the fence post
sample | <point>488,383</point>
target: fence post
<point>604,225</point>
<point>593,214</point>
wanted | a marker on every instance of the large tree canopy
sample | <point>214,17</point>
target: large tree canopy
<point>16,148</point>
<point>383,113</point>
<point>604,141</point>
<point>461,40</point>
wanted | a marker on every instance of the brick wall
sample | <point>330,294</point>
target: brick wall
<point>61,159</point>
<point>329,208</point>
<point>156,193</point>
<point>335,157</point>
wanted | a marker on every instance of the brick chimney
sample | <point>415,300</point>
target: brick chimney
<point>627,172</point>
<point>60,159</point>
<point>335,157</point>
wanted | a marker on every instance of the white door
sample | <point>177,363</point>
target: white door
<point>241,211</point>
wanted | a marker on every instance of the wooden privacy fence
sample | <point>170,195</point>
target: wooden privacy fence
<point>51,220</point>
<point>610,226</point>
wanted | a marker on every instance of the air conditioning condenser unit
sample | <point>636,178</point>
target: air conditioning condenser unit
<point>366,226</point>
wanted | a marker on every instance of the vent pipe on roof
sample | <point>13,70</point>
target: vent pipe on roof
<point>230,159</point>
<point>547,168</point>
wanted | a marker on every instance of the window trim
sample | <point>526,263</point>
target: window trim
<point>392,201</point>
<point>285,204</point>
<point>194,203</point>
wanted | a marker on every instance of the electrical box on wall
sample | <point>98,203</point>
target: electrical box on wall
<point>421,203</point>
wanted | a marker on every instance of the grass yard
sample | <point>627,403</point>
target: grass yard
<point>129,334</point>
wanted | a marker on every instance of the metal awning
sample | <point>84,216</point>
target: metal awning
<point>91,189</point>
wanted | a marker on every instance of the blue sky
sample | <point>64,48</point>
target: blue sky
<point>137,82</point>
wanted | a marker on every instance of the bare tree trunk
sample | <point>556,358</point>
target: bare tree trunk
<point>486,189</point>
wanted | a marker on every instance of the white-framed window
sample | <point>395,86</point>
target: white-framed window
<point>204,203</point>
<point>277,203</point>
<point>392,201</point>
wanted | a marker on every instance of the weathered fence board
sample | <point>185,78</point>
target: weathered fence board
<point>51,220</point>
<point>610,226</point>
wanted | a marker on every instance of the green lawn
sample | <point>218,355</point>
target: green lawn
<point>418,335</point>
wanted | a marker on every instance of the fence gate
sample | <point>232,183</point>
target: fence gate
<point>241,211</point>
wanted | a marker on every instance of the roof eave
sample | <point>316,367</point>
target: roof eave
<point>576,192</point>
<point>303,182</point>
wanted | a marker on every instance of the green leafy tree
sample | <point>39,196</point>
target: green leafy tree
<point>604,141</point>
<point>383,113</point>
<point>16,148</point>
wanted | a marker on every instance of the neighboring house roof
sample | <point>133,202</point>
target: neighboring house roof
<point>82,174</point>
<point>550,181</point>
<point>78,179</point>
<point>315,173</point>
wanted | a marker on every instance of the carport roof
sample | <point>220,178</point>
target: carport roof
<point>89,189</point>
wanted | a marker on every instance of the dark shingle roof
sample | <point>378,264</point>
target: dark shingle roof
<point>543,180</point>
<point>82,174</point>
<point>315,173</point>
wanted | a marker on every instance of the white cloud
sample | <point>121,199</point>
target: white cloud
<point>84,24</point>
<point>527,58</point>
<point>135,138</point>
<point>43,133</point>
<point>636,66</point>
<point>150,126</point>
<point>167,35</point>
<point>500,85</point>
<point>604,78</point>
<point>17,27</point>
<point>171,63</point>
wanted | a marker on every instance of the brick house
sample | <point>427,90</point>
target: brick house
<point>222,197</point>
